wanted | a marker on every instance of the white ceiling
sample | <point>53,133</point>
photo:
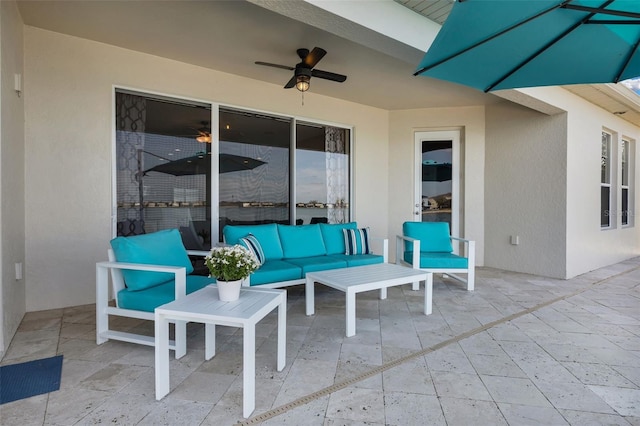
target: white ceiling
<point>230,36</point>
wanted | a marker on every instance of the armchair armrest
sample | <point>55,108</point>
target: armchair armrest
<point>180,273</point>
<point>202,253</point>
<point>415,260</point>
<point>383,245</point>
<point>470,247</point>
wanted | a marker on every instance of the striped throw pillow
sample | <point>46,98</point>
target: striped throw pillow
<point>252,244</point>
<point>356,241</point>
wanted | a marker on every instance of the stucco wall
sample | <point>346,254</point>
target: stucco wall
<point>68,149</point>
<point>588,246</point>
<point>12,227</point>
<point>525,172</point>
<point>402,127</point>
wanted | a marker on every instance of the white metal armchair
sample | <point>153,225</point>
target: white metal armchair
<point>428,246</point>
<point>146,271</point>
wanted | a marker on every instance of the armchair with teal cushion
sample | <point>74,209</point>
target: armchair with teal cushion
<point>428,246</point>
<point>147,271</point>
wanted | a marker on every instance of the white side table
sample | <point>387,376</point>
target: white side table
<point>205,306</point>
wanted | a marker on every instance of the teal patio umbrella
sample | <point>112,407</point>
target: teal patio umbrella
<point>505,44</point>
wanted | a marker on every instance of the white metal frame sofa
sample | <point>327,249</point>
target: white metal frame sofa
<point>428,246</point>
<point>288,252</point>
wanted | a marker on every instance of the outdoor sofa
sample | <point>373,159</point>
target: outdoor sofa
<point>288,252</point>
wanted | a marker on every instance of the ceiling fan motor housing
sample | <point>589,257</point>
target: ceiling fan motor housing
<point>302,70</point>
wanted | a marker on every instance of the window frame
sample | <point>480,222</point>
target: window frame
<point>606,178</point>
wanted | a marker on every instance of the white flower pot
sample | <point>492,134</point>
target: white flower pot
<point>229,290</point>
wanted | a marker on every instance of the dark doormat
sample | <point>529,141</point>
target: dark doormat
<point>30,378</point>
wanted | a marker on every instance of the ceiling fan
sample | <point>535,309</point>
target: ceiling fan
<point>304,70</point>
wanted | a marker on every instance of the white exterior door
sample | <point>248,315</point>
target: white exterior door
<point>437,178</point>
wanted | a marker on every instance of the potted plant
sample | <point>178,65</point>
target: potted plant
<point>230,265</point>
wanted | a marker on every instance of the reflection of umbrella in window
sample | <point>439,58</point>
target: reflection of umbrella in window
<point>433,171</point>
<point>201,164</point>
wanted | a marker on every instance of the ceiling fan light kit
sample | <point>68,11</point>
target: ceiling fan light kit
<point>304,70</point>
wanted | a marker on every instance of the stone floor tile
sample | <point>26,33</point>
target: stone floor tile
<point>402,408</point>
<point>598,374</point>
<point>176,412</point>
<point>465,412</point>
<point>514,390</point>
<point>586,418</point>
<point>625,401</point>
<point>493,365</point>
<point>528,415</point>
<point>459,385</point>
<point>412,376</point>
<point>574,396</point>
<point>365,405</point>
<point>450,358</point>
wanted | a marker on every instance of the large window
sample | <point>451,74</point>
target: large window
<point>605,181</point>
<point>322,174</point>
<point>163,167</point>
<point>626,193</point>
<point>271,169</point>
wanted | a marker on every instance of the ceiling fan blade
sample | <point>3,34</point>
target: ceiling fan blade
<point>268,64</point>
<point>328,75</point>
<point>291,83</point>
<point>314,57</point>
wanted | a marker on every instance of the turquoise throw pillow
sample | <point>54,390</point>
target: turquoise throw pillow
<point>434,236</point>
<point>158,248</point>
<point>301,241</point>
<point>267,234</point>
<point>333,237</point>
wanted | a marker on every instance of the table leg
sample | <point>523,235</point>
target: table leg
<point>249,369</point>
<point>351,312</point>
<point>383,293</point>
<point>428,294</point>
<point>282,332</point>
<point>309,296</point>
<point>181,338</point>
<point>209,341</point>
<point>162,356</point>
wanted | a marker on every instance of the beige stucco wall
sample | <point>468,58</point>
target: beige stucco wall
<point>12,225</point>
<point>402,128</point>
<point>525,171</point>
<point>69,143</point>
<point>568,205</point>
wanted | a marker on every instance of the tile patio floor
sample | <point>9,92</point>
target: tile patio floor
<point>520,350</point>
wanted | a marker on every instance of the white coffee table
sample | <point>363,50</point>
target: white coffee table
<point>206,307</point>
<point>364,278</point>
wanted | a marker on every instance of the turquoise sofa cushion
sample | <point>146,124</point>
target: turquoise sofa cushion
<point>317,263</point>
<point>158,248</point>
<point>273,271</point>
<point>438,260</point>
<point>434,236</point>
<point>267,235</point>
<point>359,259</point>
<point>301,241</point>
<point>149,299</point>
<point>333,236</point>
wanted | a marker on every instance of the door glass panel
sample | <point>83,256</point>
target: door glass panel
<point>437,181</point>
